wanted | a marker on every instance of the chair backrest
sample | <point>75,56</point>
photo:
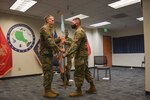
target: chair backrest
<point>100,60</point>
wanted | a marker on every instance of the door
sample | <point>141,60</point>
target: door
<point>108,49</point>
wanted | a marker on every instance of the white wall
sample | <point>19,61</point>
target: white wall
<point>128,59</point>
<point>96,42</point>
<point>132,60</point>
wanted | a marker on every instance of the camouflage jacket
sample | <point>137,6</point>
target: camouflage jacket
<point>68,42</point>
<point>48,45</point>
<point>79,45</point>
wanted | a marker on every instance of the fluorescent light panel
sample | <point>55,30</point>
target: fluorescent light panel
<point>101,24</point>
<point>140,19</point>
<point>22,5</point>
<point>81,16</point>
<point>123,3</point>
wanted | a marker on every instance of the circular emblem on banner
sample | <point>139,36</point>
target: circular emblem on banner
<point>21,37</point>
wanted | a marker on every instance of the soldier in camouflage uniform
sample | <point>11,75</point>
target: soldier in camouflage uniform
<point>80,51</point>
<point>68,41</point>
<point>48,48</point>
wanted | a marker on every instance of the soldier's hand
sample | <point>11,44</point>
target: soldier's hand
<point>63,41</point>
<point>62,50</point>
<point>64,55</point>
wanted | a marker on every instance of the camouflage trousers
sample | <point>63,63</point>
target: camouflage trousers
<point>82,71</point>
<point>69,65</point>
<point>48,72</point>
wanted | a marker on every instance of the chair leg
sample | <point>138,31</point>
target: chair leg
<point>97,74</point>
<point>109,74</point>
<point>106,73</point>
<point>94,72</point>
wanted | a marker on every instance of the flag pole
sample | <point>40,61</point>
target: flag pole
<point>64,59</point>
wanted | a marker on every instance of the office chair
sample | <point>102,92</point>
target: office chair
<point>100,63</point>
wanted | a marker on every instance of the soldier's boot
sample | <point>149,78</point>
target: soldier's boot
<point>78,92</point>
<point>92,89</point>
<point>50,94</point>
<point>62,84</point>
<point>67,83</point>
<point>55,92</point>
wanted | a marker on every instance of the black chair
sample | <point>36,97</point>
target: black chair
<point>100,63</point>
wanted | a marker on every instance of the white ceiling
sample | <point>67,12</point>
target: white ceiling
<point>96,9</point>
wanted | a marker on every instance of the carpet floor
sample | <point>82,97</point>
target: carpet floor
<point>126,84</point>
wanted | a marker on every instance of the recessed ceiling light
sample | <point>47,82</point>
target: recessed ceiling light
<point>81,16</point>
<point>140,19</point>
<point>101,24</point>
<point>123,3</point>
<point>22,5</point>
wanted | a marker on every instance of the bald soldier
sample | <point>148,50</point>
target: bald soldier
<point>80,51</point>
<point>48,47</point>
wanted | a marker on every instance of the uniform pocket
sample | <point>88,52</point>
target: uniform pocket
<point>79,61</point>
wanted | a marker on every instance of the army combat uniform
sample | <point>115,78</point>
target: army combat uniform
<point>48,48</point>
<point>80,51</point>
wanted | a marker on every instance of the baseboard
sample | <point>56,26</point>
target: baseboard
<point>128,66</point>
<point>21,76</point>
<point>147,93</point>
<point>91,67</point>
<point>120,66</point>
